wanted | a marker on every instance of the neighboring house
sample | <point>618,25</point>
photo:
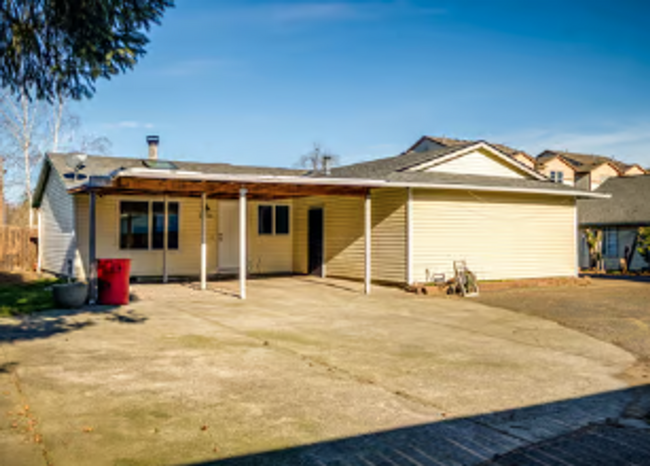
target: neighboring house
<point>556,168</point>
<point>583,170</point>
<point>400,219</point>
<point>619,217</point>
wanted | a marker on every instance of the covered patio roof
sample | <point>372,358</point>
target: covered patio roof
<point>259,186</point>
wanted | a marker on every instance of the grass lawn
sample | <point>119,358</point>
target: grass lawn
<point>26,297</point>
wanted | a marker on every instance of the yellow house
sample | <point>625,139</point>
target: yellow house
<point>400,219</point>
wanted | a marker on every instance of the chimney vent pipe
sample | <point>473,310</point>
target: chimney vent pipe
<point>153,141</point>
<point>327,162</point>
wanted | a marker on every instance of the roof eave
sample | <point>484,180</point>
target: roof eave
<point>353,182</point>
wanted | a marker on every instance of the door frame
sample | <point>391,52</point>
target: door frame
<point>323,272</point>
<point>220,267</point>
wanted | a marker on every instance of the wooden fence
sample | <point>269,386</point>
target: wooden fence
<point>18,249</point>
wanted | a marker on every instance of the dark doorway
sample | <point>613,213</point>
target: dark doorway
<point>315,243</point>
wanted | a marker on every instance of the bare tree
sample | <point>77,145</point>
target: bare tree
<point>21,124</point>
<point>319,160</point>
<point>28,129</point>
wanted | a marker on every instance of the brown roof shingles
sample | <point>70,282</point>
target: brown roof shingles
<point>583,163</point>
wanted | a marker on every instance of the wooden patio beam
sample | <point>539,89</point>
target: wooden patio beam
<point>228,189</point>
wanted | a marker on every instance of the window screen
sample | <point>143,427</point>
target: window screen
<point>158,228</point>
<point>265,220</point>
<point>134,225</point>
<point>173,225</point>
<point>281,219</point>
<point>610,243</point>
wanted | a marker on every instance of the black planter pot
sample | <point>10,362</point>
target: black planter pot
<point>70,295</point>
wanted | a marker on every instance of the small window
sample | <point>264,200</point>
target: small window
<point>281,219</point>
<point>557,176</point>
<point>265,220</point>
<point>134,225</point>
<point>173,225</point>
<point>158,233</point>
<point>610,243</point>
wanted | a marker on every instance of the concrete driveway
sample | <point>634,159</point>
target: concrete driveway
<point>183,376</point>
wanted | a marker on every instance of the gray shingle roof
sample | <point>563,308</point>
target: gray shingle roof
<point>98,165</point>
<point>451,142</point>
<point>381,168</point>
<point>390,169</point>
<point>629,204</point>
<point>393,169</point>
<point>478,180</point>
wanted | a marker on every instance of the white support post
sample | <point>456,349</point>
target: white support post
<point>577,239</point>
<point>92,247</point>
<point>204,251</point>
<point>39,263</point>
<point>165,238</point>
<point>409,237</point>
<point>368,240</point>
<point>242,243</point>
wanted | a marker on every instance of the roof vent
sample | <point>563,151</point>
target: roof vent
<point>153,141</point>
<point>327,165</point>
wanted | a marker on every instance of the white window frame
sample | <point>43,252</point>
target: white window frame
<point>557,176</point>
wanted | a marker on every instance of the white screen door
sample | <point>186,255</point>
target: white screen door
<point>228,236</point>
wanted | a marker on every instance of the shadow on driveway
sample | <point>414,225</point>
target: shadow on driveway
<point>49,323</point>
<point>625,278</point>
<point>536,435</point>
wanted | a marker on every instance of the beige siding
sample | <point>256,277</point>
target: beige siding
<point>634,171</point>
<point>389,235</point>
<point>266,253</point>
<point>269,253</point>
<point>601,174</point>
<point>479,162</point>
<point>344,235</point>
<point>186,261</point>
<point>557,165</point>
<point>524,161</point>
<point>499,235</point>
<point>58,243</point>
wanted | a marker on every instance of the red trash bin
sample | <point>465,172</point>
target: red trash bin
<point>113,281</point>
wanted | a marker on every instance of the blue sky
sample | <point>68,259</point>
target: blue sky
<point>255,82</point>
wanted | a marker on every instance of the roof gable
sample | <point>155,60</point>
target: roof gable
<point>546,158</point>
<point>478,158</point>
